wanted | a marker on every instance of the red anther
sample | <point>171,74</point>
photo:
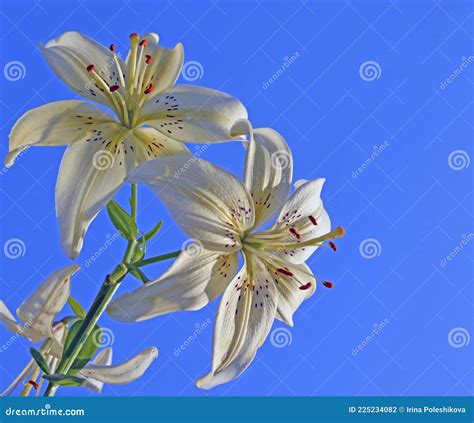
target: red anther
<point>90,68</point>
<point>295,233</point>
<point>112,47</point>
<point>34,384</point>
<point>328,284</point>
<point>284,271</point>
<point>113,88</point>
<point>148,59</point>
<point>333,246</point>
<point>313,220</point>
<point>150,88</point>
<point>143,43</point>
<point>305,286</point>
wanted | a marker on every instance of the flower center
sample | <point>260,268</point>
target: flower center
<point>129,91</point>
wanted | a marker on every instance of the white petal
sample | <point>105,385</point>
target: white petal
<point>207,202</point>
<point>151,144</point>
<point>194,279</point>
<point>165,67</point>
<point>71,53</point>
<point>193,114</point>
<point>103,358</point>
<point>40,310</point>
<point>245,317</point>
<point>268,172</point>
<point>90,175</point>
<point>58,123</point>
<point>292,290</point>
<point>123,373</point>
<point>305,213</point>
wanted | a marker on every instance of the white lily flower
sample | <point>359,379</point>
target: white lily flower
<point>152,117</point>
<point>214,207</point>
<point>39,311</point>
<point>101,370</point>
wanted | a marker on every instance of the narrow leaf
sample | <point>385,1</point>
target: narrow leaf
<point>40,361</point>
<point>122,220</point>
<point>149,235</point>
<point>65,380</point>
<point>76,307</point>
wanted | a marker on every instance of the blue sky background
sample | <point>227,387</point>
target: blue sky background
<point>405,212</point>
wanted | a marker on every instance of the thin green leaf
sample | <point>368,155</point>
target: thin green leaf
<point>150,234</point>
<point>138,273</point>
<point>76,307</point>
<point>65,380</point>
<point>40,361</point>
<point>88,349</point>
<point>122,220</point>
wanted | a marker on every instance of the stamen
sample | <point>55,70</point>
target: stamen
<point>143,43</point>
<point>150,88</point>
<point>333,246</point>
<point>112,47</point>
<point>90,68</point>
<point>328,284</point>
<point>34,384</point>
<point>114,88</point>
<point>295,233</point>
<point>305,286</point>
<point>148,59</point>
<point>284,271</point>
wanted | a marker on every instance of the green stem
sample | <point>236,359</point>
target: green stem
<point>156,259</point>
<point>133,202</point>
<point>101,301</point>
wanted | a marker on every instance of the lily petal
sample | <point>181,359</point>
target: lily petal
<point>195,278</point>
<point>48,300</point>
<point>268,172</point>
<point>207,202</point>
<point>121,374</point>
<point>22,329</point>
<point>103,358</point>
<point>297,285</point>
<point>58,123</point>
<point>71,53</point>
<point>101,167</point>
<point>302,218</point>
<point>245,317</point>
<point>151,144</point>
<point>193,114</point>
